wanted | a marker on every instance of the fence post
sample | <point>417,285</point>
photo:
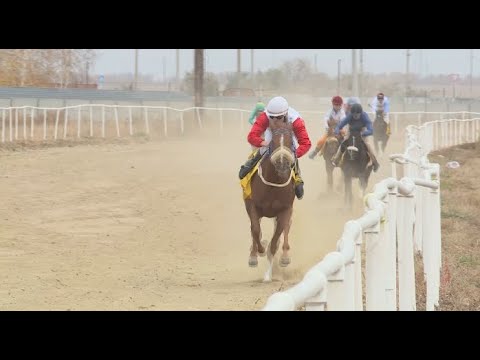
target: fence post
<point>32,122</point>
<point>375,284</point>
<point>16,123</point>
<point>57,118</point>
<point>391,251</point>
<point>65,122</point>
<point>24,123</point>
<point>406,269</point>
<point>117,125</point>
<point>147,128</point>
<point>79,121</point>
<point>338,298</point>
<point>319,301</point>
<point>199,120</point>
<point>358,272</point>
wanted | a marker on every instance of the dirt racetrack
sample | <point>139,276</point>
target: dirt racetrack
<point>156,225</point>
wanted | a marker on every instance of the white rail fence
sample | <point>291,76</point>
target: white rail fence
<point>97,120</point>
<point>402,217</point>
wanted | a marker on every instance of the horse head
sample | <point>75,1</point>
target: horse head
<point>379,115</point>
<point>353,144</point>
<point>355,150</point>
<point>281,147</point>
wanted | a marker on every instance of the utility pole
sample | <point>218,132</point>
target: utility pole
<point>339,62</point>
<point>239,65</point>
<point>164,63</point>
<point>136,70</point>
<point>315,62</point>
<point>361,74</point>
<point>420,54</point>
<point>471,73</point>
<point>177,72</point>
<point>354,73</point>
<point>251,63</point>
<point>407,80</point>
<point>198,80</point>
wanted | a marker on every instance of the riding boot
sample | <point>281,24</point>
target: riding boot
<point>336,158</point>
<point>298,181</point>
<point>314,153</point>
<point>375,163</point>
<point>249,165</point>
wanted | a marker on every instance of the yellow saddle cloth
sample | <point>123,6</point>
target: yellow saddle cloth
<point>247,180</point>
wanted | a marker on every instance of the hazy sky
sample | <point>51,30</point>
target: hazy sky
<point>160,62</point>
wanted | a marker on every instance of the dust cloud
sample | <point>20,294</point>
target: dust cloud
<point>159,225</point>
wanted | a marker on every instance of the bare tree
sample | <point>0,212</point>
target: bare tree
<point>36,67</point>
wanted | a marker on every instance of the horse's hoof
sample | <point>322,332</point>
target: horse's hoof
<point>265,248</point>
<point>284,261</point>
<point>252,261</point>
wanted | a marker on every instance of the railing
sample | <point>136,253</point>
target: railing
<point>99,120</point>
<point>401,217</point>
<point>403,213</point>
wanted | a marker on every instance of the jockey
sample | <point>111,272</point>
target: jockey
<point>278,107</point>
<point>357,119</point>
<point>350,102</point>
<point>259,108</point>
<point>332,118</point>
<point>381,104</point>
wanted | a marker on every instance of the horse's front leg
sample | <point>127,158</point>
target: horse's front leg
<point>281,223</point>
<point>256,234</point>
<point>285,259</point>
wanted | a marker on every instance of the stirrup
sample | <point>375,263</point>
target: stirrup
<point>299,191</point>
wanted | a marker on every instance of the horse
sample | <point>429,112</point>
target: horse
<point>273,194</point>
<point>355,164</point>
<point>329,150</point>
<point>380,133</point>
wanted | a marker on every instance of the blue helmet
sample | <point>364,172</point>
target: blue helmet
<point>356,109</point>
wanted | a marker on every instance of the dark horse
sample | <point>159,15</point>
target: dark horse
<point>380,133</point>
<point>329,150</point>
<point>273,194</point>
<point>355,164</point>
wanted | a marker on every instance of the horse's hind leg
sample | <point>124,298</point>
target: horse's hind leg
<point>329,170</point>
<point>256,233</point>
<point>384,143</point>
<point>348,190</point>
<point>280,223</point>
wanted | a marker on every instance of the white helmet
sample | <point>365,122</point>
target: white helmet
<point>353,100</point>
<point>277,106</point>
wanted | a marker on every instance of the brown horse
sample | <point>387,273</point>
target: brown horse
<point>329,150</point>
<point>273,195</point>
<point>380,133</point>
